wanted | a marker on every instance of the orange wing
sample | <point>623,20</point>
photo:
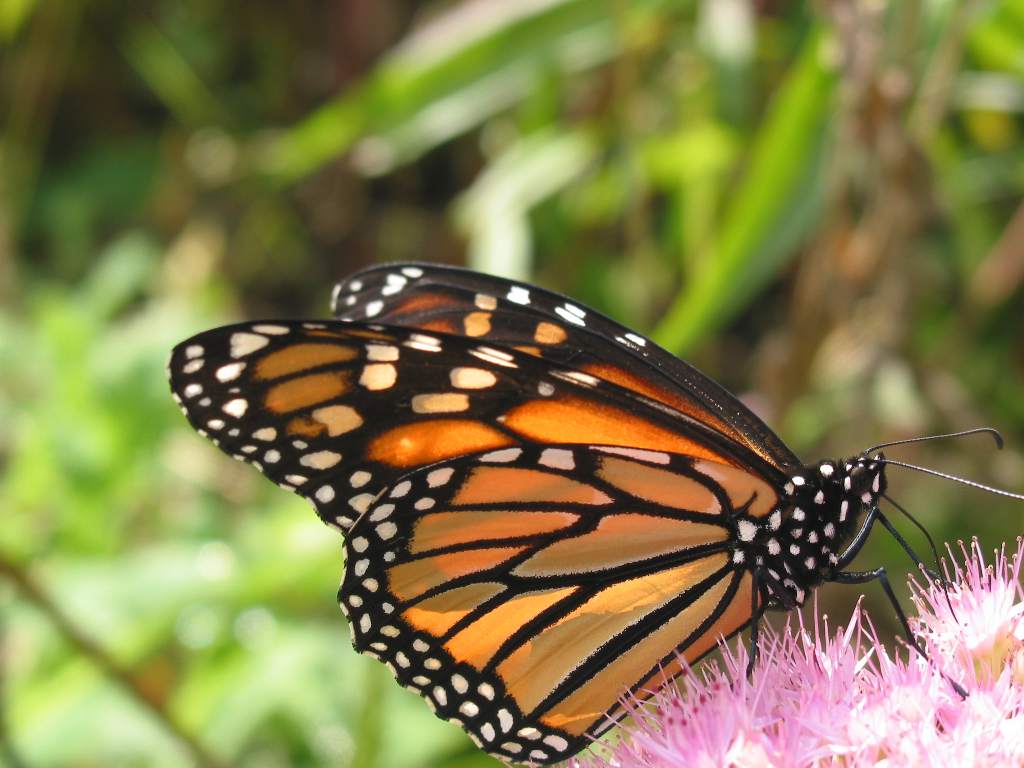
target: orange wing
<point>524,590</point>
<point>336,411</point>
<point>461,302</point>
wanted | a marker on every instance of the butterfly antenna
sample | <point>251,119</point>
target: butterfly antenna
<point>956,479</point>
<point>931,544</point>
<point>966,433</point>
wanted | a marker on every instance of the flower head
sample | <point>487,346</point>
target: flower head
<point>977,624</point>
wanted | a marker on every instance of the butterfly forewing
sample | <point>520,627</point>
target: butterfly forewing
<point>522,591</point>
<point>338,410</point>
<point>533,320</point>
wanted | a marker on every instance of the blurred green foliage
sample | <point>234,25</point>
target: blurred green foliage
<point>819,205</point>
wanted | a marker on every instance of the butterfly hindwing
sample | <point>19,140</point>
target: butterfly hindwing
<point>336,411</point>
<point>521,591</point>
<point>462,302</point>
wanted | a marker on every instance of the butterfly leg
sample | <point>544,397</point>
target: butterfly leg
<point>906,547</point>
<point>757,608</point>
<point>880,574</point>
<point>933,575</point>
<point>859,540</point>
<point>851,551</point>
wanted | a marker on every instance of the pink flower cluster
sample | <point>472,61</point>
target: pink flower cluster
<point>821,698</point>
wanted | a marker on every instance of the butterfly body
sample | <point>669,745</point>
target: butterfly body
<point>800,544</point>
<point>542,510</point>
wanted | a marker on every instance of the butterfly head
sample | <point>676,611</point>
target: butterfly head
<point>867,476</point>
<point>800,542</point>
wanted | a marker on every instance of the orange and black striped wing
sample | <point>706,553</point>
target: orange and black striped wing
<point>524,591</point>
<point>462,302</point>
<point>336,411</point>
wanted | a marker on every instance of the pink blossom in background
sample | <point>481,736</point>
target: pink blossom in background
<point>839,698</point>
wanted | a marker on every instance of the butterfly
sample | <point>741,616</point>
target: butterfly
<point>543,511</point>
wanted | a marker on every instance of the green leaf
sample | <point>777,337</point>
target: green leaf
<point>494,211</point>
<point>172,77</point>
<point>13,15</point>
<point>777,200</point>
<point>444,80</point>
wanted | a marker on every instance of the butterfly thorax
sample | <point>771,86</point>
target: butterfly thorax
<point>798,545</point>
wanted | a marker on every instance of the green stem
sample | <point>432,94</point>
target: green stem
<point>35,594</point>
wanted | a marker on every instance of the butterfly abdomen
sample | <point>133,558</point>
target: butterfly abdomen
<point>799,544</point>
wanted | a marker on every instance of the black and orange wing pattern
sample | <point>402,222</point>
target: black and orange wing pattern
<point>541,507</point>
<point>336,411</point>
<point>522,591</point>
<point>462,302</point>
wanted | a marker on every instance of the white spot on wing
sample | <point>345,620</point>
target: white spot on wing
<point>747,530</point>
<point>230,371</point>
<point>361,502</point>
<point>485,301</point>
<point>503,455</point>
<point>395,283</point>
<point>236,407</point>
<point>320,459</point>
<point>243,343</point>
<point>640,454</point>
<point>472,378</point>
<point>558,458</point>
<point>378,376</point>
<point>383,512</point>
<point>442,402</point>
<point>381,353</point>
<point>556,742</point>
<point>439,476</point>
<point>572,317</point>
<point>640,341</point>
<point>518,295</point>
<point>493,356</point>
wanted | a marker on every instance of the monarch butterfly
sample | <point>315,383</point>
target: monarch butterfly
<point>542,509</point>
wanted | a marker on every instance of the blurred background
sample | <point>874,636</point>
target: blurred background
<point>820,205</point>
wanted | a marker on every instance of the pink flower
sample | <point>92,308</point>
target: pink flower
<point>983,635</point>
<point>840,698</point>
